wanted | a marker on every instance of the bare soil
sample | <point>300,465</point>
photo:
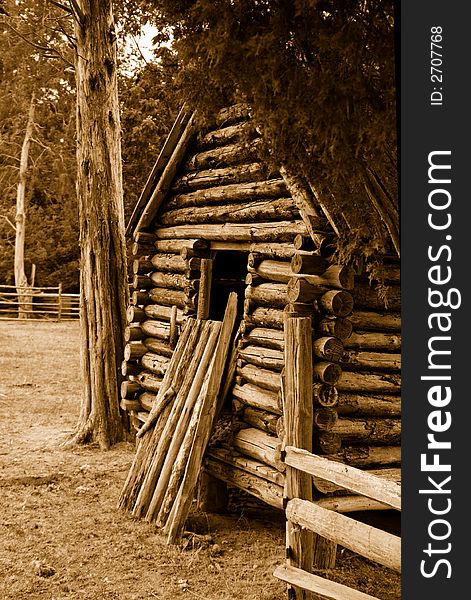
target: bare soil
<point>61,535</point>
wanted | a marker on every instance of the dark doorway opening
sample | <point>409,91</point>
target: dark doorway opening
<point>229,272</point>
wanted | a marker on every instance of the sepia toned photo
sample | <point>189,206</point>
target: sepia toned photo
<point>200,300</point>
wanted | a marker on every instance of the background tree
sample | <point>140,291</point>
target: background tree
<point>320,79</point>
<point>38,30</point>
<point>147,106</point>
<point>33,59</point>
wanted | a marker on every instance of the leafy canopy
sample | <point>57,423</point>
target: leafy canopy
<point>319,76</point>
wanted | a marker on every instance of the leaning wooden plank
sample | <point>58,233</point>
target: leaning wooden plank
<point>174,380</point>
<point>313,583</point>
<point>133,479</point>
<point>206,421</point>
<point>363,539</point>
<point>161,189</point>
<point>347,477</point>
<point>212,493</point>
<point>182,435</point>
<point>170,490</point>
<point>183,398</point>
<point>165,153</point>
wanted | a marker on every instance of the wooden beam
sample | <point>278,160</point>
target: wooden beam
<point>372,543</point>
<point>274,231</point>
<point>346,477</point>
<point>318,585</point>
<point>166,152</point>
<point>269,492</point>
<point>204,294</point>
<point>350,503</point>
<point>298,417</point>
<point>165,181</point>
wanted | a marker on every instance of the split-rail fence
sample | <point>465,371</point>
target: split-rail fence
<point>38,303</point>
<point>309,524</point>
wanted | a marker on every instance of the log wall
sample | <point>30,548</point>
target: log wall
<point>224,199</point>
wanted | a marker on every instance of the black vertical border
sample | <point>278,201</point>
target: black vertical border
<point>423,129</point>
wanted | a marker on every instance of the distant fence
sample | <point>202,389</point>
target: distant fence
<point>38,303</point>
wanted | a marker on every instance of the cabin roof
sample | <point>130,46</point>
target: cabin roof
<point>174,152</point>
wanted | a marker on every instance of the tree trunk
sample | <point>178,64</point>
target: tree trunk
<point>21,282</point>
<point>101,217</point>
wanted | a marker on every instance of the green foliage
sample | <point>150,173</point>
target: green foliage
<point>320,79</point>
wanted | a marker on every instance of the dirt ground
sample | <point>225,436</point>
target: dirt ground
<point>61,535</point>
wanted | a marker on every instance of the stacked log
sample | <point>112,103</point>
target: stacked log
<point>256,397</point>
<point>366,398</point>
<point>163,294</point>
<point>368,392</point>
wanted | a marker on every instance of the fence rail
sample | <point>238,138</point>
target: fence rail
<point>368,541</point>
<point>38,303</point>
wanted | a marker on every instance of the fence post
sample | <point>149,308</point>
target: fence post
<point>298,418</point>
<point>59,302</point>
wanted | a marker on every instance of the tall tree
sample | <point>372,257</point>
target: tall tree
<point>21,281</point>
<point>101,215</point>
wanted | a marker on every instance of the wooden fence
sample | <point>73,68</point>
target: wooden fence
<point>305,518</point>
<point>38,303</point>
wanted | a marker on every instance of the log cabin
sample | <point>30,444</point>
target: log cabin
<point>214,219</point>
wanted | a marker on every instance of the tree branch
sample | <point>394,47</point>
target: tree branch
<point>15,158</point>
<point>48,52</point>
<point>33,44</point>
<point>62,6</point>
<point>139,48</point>
<point>77,12</point>
<point>39,143</point>
<point>9,222</point>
